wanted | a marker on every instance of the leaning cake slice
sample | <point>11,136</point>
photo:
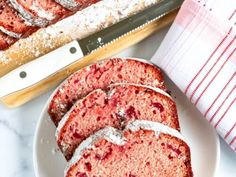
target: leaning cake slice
<point>143,149</point>
<point>100,75</point>
<point>115,106</point>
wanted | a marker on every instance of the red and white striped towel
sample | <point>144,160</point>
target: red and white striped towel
<point>199,55</point>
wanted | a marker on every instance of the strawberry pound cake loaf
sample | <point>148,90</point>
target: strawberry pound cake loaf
<point>100,75</point>
<point>143,149</point>
<point>116,106</point>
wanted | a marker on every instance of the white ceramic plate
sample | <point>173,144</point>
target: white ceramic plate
<point>202,138</point>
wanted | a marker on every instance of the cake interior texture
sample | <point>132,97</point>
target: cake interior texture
<point>144,154</point>
<point>100,75</point>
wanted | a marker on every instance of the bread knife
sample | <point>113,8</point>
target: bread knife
<point>35,71</point>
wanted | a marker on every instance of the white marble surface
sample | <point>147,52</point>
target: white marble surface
<point>17,128</point>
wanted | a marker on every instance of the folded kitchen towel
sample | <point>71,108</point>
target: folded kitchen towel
<point>199,55</point>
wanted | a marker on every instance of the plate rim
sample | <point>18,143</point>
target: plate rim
<point>44,111</point>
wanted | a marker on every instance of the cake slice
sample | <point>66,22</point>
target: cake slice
<point>143,149</point>
<point>40,13</point>
<point>100,75</point>
<point>31,16</point>
<point>12,24</point>
<point>74,5</point>
<point>6,41</point>
<point>116,106</point>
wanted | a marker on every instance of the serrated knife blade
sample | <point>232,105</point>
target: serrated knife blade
<point>41,68</point>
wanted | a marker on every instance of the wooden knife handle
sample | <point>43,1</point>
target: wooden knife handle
<point>20,97</point>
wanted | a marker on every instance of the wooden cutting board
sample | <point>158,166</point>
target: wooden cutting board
<point>20,97</point>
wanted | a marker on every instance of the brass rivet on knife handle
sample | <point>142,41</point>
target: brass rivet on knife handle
<point>23,96</point>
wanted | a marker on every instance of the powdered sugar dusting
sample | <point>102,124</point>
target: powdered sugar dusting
<point>4,59</point>
<point>154,126</point>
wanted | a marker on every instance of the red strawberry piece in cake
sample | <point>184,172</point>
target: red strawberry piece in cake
<point>75,5</point>
<point>6,41</point>
<point>12,24</point>
<point>40,13</point>
<point>100,75</point>
<point>143,149</point>
<point>116,106</point>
